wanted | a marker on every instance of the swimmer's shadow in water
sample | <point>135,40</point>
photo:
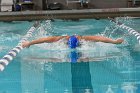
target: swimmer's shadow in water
<point>73,58</point>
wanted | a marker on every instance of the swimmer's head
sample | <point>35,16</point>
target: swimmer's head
<point>73,42</point>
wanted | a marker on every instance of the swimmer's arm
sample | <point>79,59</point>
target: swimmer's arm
<point>102,39</point>
<point>42,40</point>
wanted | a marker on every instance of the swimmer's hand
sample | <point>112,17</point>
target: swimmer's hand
<point>119,41</point>
<point>26,44</point>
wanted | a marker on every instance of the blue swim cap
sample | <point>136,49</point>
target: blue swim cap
<point>73,42</point>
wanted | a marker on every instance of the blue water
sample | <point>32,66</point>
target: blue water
<point>54,68</point>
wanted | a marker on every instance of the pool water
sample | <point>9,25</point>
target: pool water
<point>54,68</point>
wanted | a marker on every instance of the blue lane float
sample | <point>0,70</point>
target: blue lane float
<point>129,29</point>
<point>13,53</point>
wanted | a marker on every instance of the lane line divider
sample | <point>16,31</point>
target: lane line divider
<point>129,29</point>
<point>13,53</point>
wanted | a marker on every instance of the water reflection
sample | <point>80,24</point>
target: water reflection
<point>75,71</point>
<point>109,90</point>
<point>129,88</point>
<point>81,77</point>
<point>72,56</point>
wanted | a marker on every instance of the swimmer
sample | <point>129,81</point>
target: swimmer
<point>72,41</point>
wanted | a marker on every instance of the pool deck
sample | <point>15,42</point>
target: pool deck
<point>69,14</point>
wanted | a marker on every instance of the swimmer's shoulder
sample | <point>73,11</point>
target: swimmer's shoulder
<point>66,37</point>
<point>79,37</point>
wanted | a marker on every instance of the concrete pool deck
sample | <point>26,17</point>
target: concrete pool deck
<point>69,14</point>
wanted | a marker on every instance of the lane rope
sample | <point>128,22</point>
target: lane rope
<point>13,52</point>
<point>129,29</point>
